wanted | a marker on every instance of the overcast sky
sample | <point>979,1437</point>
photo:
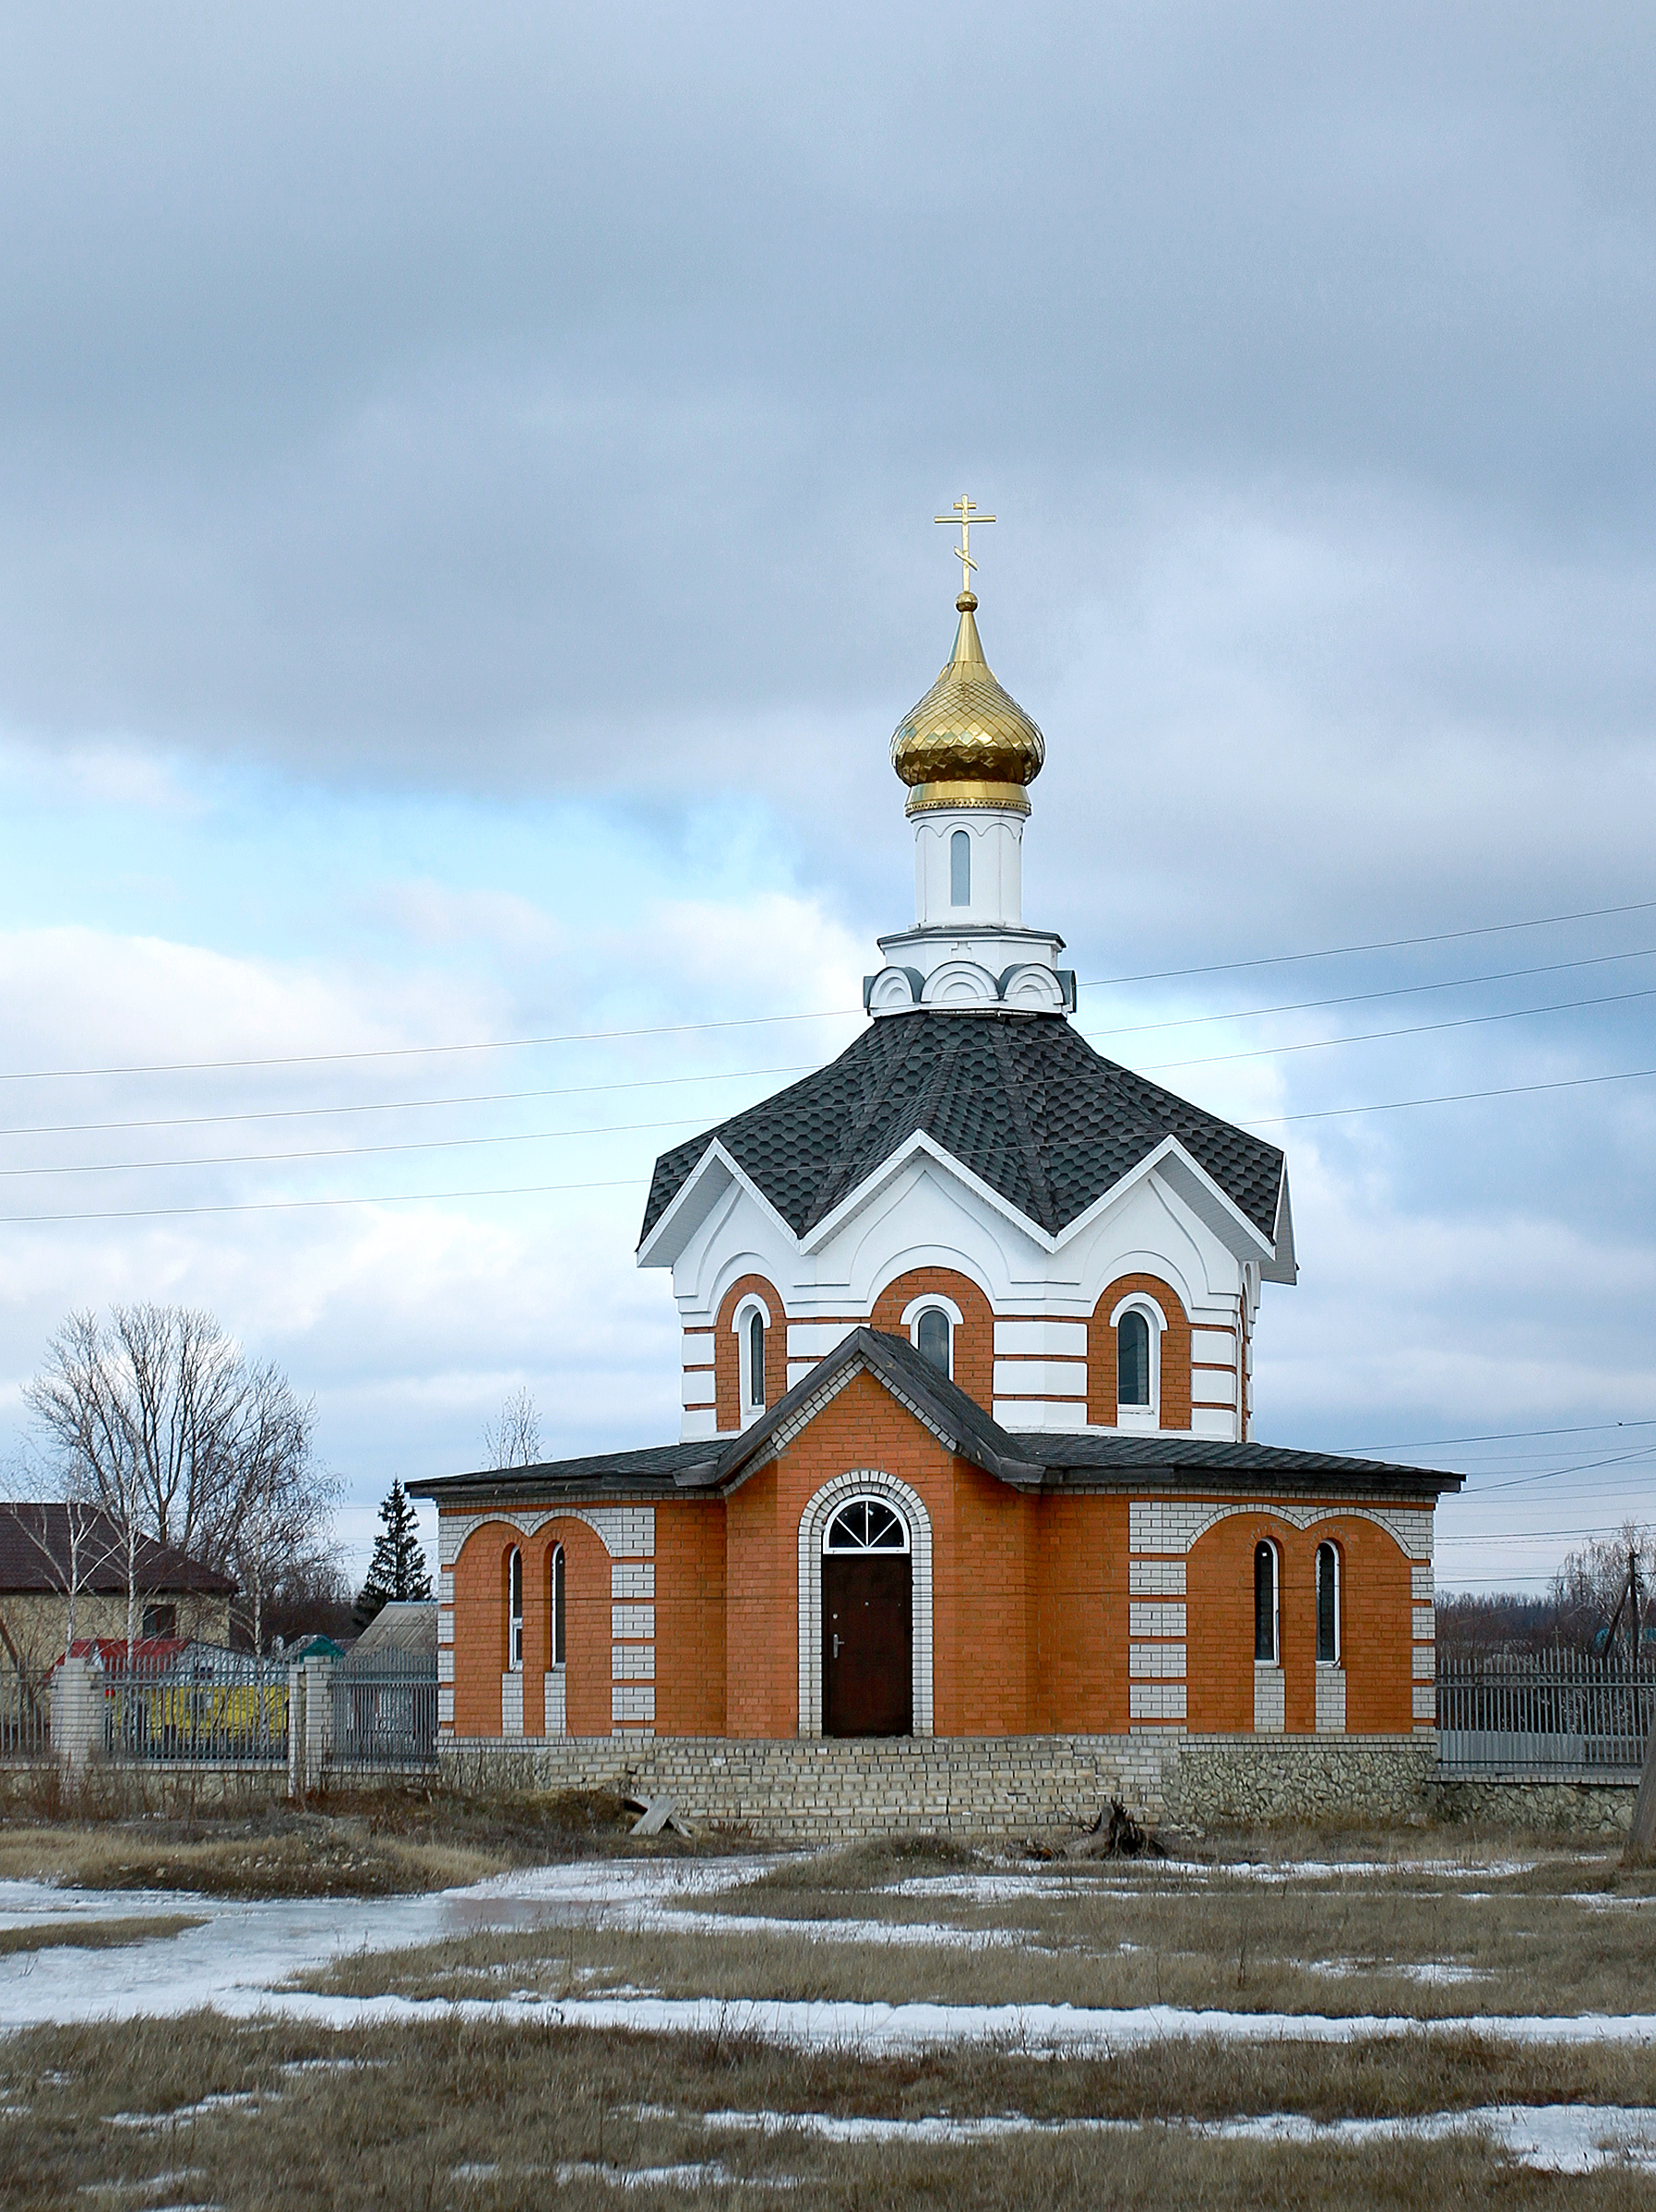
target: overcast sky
<point>466,484</point>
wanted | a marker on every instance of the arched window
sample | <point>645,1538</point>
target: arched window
<point>1327,1605</point>
<point>1265,1604</point>
<point>514,1612</point>
<point>756,1359</point>
<point>932,1335</point>
<point>867,1525</point>
<point>959,869</point>
<point>1133,1359</point>
<point>554,1608</point>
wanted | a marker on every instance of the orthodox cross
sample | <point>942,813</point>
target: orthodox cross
<point>964,512</point>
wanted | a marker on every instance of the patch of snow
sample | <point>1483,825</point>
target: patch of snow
<point>1552,2138</point>
<point>236,2100</point>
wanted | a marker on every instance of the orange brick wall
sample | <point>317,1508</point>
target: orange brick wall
<point>761,1631</point>
<point>1080,1579</point>
<point>1376,1625</point>
<point>974,1339</point>
<point>1175,1352</point>
<point>479,1627</point>
<point>690,1618</point>
<point>727,1371</point>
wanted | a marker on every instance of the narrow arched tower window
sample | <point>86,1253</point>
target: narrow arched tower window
<point>931,1338</point>
<point>554,1567</point>
<point>1265,1603</point>
<point>1328,1604</point>
<point>959,869</point>
<point>514,1612</point>
<point>1133,1360</point>
<point>756,1359</point>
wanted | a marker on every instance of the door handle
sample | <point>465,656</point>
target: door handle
<point>835,1652</point>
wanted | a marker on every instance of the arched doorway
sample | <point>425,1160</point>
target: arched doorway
<point>867,1621</point>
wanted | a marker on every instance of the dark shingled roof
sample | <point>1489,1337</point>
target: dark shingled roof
<point>35,1551</point>
<point>1021,1101</point>
<point>1043,1460</point>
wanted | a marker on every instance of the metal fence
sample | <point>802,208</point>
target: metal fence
<point>25,1710</point>
<point>1562,1717</point>
<point>385,1712</point>
<point>202,1705</point>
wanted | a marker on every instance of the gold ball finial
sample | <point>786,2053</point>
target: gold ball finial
<point>967,604</point>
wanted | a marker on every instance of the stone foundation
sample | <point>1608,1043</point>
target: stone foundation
<point>1577,1808</point>
<point>818,1790</point>
<point>1220,1780</point>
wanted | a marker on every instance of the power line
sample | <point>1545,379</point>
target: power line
<point>689,1121</point>
<point>272,1205</point>
<point>1438,1444</point>
<point>418,1052</point>
<point>175,1067</point>
<point>1551,1474</point>
<point>1395,1105</point>
<point>479,1098</point>
<point>1357,998</point>
<point>798,1067</point>
<point>1339,952</point>
<point>423,1144</point>
<point>1422,1028</point>
<point>1532,1536</point>
<point>1449,1098</point>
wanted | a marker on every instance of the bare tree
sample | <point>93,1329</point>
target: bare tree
<point>280,1498</point>
<point>158,1417</point>
<point>515,1439</point>
<point>1606,1584</point>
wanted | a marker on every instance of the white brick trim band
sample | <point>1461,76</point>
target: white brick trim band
<point>1175,1525</point>
<point>624,1532</point>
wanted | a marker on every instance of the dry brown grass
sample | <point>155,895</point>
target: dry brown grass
<point>456,2115</point>
<point>94,1936</point>
<point>368,1843</point>
<point>1408,1943</point>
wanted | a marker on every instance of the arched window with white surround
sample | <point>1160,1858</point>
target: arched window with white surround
<point>1139,1325</point>
<point>1266,1619</point>
<point>555,1606</point>
<point>959,869</point>
<point>756,1362</point>
<point>514,1612</point>
<point>752,1322</point>
<point>867,1525</point>
<point>931,1337</point>
<point>1133,1359</point>
<point>1328,1596</point>
<point>931,1321</point>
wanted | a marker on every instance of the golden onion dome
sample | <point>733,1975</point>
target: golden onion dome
<point>967,742</point>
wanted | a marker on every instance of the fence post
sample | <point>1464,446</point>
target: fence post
<point>1641,1836</point>
<point>76,1714</point>
<point>296,1732</point>
<point>317,1705</point>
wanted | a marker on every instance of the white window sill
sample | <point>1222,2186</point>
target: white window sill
<point>1136,1417</point>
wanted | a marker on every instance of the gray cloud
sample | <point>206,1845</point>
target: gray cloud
<point>416,398</point>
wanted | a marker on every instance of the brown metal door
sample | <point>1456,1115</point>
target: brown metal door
<point>867,1646</point>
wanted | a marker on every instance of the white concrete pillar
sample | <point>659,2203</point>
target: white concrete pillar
<point>310,1723</point>
<point>77,1714</point>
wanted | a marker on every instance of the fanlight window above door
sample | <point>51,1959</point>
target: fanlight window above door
<point>867,1525</point>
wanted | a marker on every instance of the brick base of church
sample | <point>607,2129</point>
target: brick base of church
<point>824,1789</point>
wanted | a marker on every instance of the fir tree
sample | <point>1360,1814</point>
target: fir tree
<point>398,1567</point>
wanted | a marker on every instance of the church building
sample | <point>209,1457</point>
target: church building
<point>968,1320</point>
